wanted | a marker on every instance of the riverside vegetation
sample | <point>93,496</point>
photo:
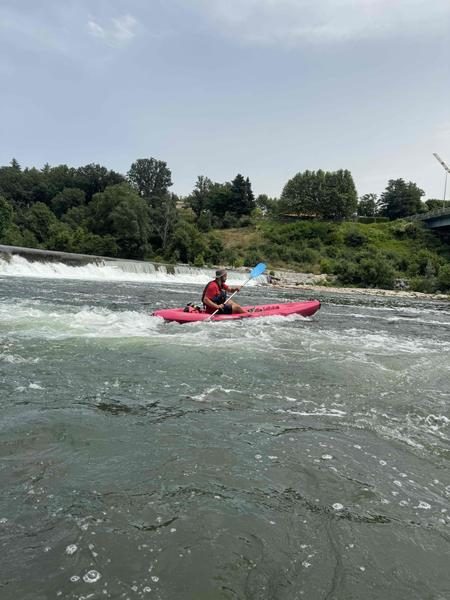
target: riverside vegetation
<point>317,225</point>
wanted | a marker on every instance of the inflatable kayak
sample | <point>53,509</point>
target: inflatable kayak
<point>191,315</point>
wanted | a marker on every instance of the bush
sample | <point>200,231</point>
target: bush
<point>326,266</point>
<point>423,284</point>
<point>406,229</point>
<point>306,255</point>
<point>376,272</point>
<point>444,277</point>
<point>368,220</point>
<point>355,238</point>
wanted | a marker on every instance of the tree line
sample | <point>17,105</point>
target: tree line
<point>94,210</point>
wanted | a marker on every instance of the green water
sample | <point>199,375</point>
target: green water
<point>262,459</point>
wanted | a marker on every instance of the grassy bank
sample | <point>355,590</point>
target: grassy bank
<point>383,255</point>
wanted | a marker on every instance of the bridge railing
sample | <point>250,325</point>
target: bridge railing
<point>437,212</point>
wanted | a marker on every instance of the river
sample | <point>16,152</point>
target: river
<point>279,458</point>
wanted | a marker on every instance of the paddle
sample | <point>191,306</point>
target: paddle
<point>255,272</point>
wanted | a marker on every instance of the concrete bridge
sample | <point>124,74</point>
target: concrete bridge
<point>435,219</point>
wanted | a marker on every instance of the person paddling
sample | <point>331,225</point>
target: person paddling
<point>214,296</point>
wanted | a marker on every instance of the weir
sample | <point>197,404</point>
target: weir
<point>31,262</point>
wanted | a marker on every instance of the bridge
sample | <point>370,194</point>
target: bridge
<point>434,219</point>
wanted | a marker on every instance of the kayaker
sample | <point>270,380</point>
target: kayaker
<point>214,296</point>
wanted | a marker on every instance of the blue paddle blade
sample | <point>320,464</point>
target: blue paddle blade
<point>258,270</point>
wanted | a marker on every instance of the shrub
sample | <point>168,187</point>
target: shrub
<point>355,238</point>
<point>423,284</point>
<point>376,272</point>
<point>444,277</point>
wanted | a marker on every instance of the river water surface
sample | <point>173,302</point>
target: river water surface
<point>280,458</point>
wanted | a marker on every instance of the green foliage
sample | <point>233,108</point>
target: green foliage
<point>66,199</point>
<point>401,199</point>
<point>6,215</point>
<point>435,204</point>
<point>424,263</point>
<point>151,178</point>
<point>444,277</point>
<point>163,221</point>
<point>93,210</point>
<point>93,179</point>
<point>406,229</point>
<point>222,205</point>
<point>199,199</point>
<point>186,244</point>
<point>425,285</point>
<point>368,205</point>
<point>373,219</point>
<point>38,220</point>
<point>355,237</point>
<point>325,195</point>
<point>120,212</point>
<point>242,200</point>
<point>267,206</point>
<point>371,271</point>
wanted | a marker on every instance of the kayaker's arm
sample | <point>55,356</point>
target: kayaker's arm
<point>212,304</point>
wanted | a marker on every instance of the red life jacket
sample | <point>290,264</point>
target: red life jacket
<point>220,294</point>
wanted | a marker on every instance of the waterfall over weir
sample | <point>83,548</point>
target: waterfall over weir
<point>26,262</point>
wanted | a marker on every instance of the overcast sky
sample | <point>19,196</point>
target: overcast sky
<point>266,88</point>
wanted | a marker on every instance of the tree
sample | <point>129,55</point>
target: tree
<point>435,204</point>
<point>267,206</point>
<point>122,214</point>
<point>187,243</point>
<point>163,220</point>
<point>326,195</point>
<point>400,199</point>
<point>94,178</point>
<point>67,199</point>
<point>242,200</point>
<point>6,215</point>
<point>38,219</point>
<point>367,205</point>
<point>15,165</point>
<point>199,199</point>
<point>339,198</point>
<point>151,178</point>
<point>11,185</point>
<point>59,177</point>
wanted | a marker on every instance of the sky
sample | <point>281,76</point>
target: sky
<point>265,88</point>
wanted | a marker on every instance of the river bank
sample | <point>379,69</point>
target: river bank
<point>283,279</point>
<point>321,283</point>
<point>368,291</point>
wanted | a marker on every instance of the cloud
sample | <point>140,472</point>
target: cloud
<point>118,31</point>
<point>291,22</point>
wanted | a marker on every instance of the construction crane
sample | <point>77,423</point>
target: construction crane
<point>447,171</point>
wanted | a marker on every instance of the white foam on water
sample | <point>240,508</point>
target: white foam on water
<point>320,412</point>
<point>139,272</point>
<point>211,393</point>
<point>28,321</point>
<point>16,359</point>
<point>383,342</point>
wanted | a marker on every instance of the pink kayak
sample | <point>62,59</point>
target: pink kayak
<point>190,315</point>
